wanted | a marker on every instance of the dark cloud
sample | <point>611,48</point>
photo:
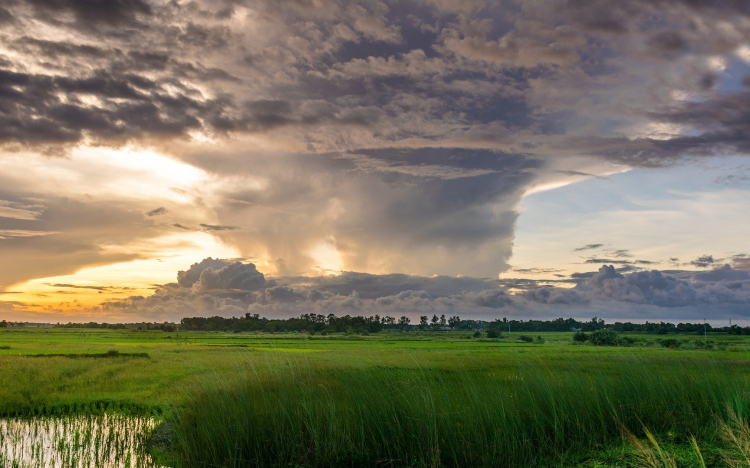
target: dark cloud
<point>55,49</point>
<point>357,76</point>
<point>548,295</point>
<point>191,276</point>
<point>643,287</point>
<point>5,16</point>
<point>218,227</point>
<point>620,253</point>
<point>668,41</point>
<point>113,12</point>
<point>369,286</point>
<point>32,110</point>
<point>607,260</point>
<point>724,273</point>
<point>536,271</point>
<point>703,261</point>
<point>157,211</point>
<point>63,285</point>
<point>588,247</point>
<point>234,276</point>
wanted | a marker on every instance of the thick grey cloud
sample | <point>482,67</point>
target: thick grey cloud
<point>114,12</point>
<point>546,295</point>
<point>341,76</point>
<point>192,275</point>
<point>724,273</point>
<point>370,286</point>
<point>235,276</point>
<point>232,288</point>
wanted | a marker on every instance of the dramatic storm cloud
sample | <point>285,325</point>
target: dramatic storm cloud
<point>398,139</point>
<point>227,288</point>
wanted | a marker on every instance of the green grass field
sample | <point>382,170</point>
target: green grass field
<point>389,399</point>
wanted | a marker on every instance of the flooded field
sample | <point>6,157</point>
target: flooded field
<point>76,441</point>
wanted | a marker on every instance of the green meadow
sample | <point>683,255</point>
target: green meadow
<point>391,399</point>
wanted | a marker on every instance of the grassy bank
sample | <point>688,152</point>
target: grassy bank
<point>526,412</point>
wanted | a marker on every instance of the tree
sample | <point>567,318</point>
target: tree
<point>454,321</point>
<point>3,324</point>
<point>435,320</point>
<point>442,321</point>
<point>423,322</point>
<point>403,322</point>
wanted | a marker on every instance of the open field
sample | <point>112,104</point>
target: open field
<point>389,399</point>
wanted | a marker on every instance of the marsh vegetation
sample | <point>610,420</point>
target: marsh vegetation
<point>391,399</point>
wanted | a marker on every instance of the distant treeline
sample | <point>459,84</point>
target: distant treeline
<point>305,322</point>
<point>166,326</point>
<point>660,328</point>
<point>373,324</point>
<point>317,323</point>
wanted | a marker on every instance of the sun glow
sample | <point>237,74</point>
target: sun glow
<point>91,286</point>
<point>327,258</point>
<point>105,174</point>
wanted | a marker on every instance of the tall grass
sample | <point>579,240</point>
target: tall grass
<point>292,412</point>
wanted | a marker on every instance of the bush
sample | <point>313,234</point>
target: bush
<point>604,338</point>
<point>477,334</point>
<point>493,333</point>
<point>580,336</point>
<point>539,340</point>
<point>526,338</point>
<point>670,343</point>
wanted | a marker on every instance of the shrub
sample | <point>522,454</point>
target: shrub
<point>627,341</point>
<point>604,338</point>
<point>493,333</point>
<point>526,338</point>
<point>539,340</point>
<point>670,343</point>
<point>580,336</point>
<point>477,334</point>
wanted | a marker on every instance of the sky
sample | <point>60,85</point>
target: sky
<point>536,159</point>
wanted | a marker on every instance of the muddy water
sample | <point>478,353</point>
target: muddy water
<point>78,441</point>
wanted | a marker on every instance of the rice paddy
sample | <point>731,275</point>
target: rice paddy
<point>91,441</point>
